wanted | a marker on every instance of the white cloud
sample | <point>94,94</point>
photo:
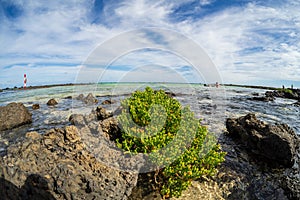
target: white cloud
<point>247,44</point>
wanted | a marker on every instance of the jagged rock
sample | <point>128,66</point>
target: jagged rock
<point>14,115</point>
<point>265,98</point>
<point>90,99</point>
<point>77,120</point>
<point>170,94</point>
<point>108,102</point>
<point>102,113</point>
<point>80,97</point>
<point>287,93</point>
<point>52,102</point>
<point>64,166</point>
<point>276,143</point>
<point>35,106</point>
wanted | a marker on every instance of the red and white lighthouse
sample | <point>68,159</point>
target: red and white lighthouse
<point>25,80</point>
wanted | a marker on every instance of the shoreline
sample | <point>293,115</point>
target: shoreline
<point>75,84</point>
<point>42,86</point>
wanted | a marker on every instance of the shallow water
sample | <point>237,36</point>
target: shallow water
<point>211,105</point>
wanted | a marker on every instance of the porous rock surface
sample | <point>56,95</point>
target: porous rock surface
<point>14,115</point>
<point>59,165</point>
<point>277,143</point>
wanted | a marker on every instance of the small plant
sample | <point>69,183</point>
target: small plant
<point>175,141</point>
<point>286,90</point>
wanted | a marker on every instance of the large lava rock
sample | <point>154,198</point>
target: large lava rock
<point>52,102</point>
<point>277,143</point>
<point>14,115</point>
<point>89,99</point>
<point>64,168</point>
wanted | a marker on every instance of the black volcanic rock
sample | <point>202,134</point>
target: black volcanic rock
<point>284,93</point>
<point>89,99</point>
<point>52,102</point>
<point>35,106</point>
<point>277,143</point>
<point>264,98</point>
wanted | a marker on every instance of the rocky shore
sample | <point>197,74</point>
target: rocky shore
<point>58,165</point>
<point>81,161</point>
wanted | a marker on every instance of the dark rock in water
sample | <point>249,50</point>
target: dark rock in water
<point>297,103</point>
<point>275,143</point>
<point>90,99</point>
<point>14,115</point>
<point>68,97</point>
<point>108,101</point>
<point>35,106</point>
<point>266,99</point>
<point>170,94</point>
<point>1,90</point>
<point>59,164</point>
<point>255,94</point>
<point>80,97</point>
<point>102,113</point>
<point>52,102</point>
<point>284,93</point>
<point>252,178</point>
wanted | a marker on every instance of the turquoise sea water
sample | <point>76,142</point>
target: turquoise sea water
<point>212,105</point>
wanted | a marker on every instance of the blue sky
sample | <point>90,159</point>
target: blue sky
<point>249,42</point>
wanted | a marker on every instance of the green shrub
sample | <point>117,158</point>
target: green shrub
<point>173,138</point>
<point>286,90</point>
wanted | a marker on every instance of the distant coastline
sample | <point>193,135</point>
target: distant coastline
<point>74,84</point>
<point>43,86</point>
<point>252,86</point>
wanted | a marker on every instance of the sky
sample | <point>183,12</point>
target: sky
<point>229,41</point>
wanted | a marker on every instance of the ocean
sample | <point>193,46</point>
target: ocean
<point>210,104</point>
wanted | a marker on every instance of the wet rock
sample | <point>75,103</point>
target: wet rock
<point>255,94</point>
<point>108,102</point>
<point>170,94</point>
<point>52,102</point>
<point>90,99</point>
<point>102,113</point>
<point>286,93</point>
<point>68,97</point>
<point>297,103</point>
<point>14,115</point>
<point>1,90</point>
<point>275,143</point>
<point>35,106</point>
<point>265,98</point>
<point>80,97</point>
<point>65,166</point>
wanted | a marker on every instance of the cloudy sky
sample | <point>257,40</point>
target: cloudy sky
<point>231,41</point>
